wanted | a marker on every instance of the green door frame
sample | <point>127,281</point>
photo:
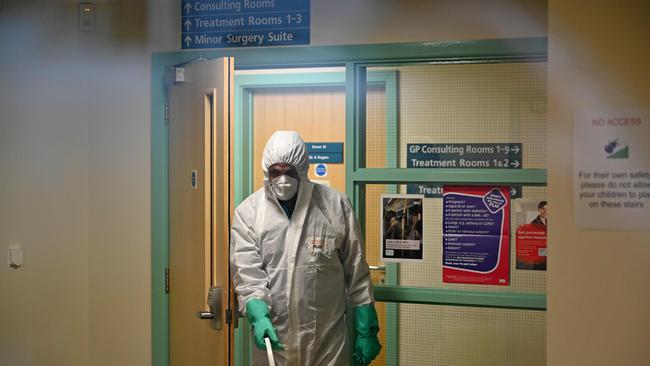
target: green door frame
<point>354,58</point>
<point>357,176</point>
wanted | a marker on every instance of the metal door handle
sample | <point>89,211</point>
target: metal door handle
<point>214,303</point>
<point>381,269</point>
<point>204,315</point>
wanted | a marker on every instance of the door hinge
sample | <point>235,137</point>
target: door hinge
<point>166,280</point>
<point>228,316</point>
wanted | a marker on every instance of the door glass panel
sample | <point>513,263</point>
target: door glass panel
<point>464,103</point>
<point>378,133</point>
<point>460,104</point>
<point>450,335</point>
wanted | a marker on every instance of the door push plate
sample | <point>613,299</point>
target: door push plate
<point>214,303</point>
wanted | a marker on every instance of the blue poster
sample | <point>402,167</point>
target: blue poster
<point>476,235</point>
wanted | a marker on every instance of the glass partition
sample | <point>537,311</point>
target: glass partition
<point>464,336</point>
<point>456,103</point>
<point>421,126</point>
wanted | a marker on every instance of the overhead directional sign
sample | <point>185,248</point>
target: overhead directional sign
<point>507,156</point>
<point>244,23</point>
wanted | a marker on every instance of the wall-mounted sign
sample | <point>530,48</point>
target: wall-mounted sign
<point>434,190</point>
<point>612,168</point>
<point>476,235</point>
<point>325,152</point>
<point>244,23</point>
<point>507,156</point>
<point>320,170</point>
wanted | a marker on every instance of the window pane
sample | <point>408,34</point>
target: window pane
<point>467,103</point>
<point>459,336</point>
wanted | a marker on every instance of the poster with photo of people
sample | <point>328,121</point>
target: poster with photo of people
<point>401,228</point>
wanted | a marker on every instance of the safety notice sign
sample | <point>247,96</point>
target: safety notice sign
<point>612,168</point>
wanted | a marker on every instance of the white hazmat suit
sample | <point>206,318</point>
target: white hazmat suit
<point>305,267</point>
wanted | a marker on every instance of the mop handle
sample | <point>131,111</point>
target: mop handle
<point>269,351</point>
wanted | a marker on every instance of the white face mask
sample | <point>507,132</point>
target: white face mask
<point>284,187</point>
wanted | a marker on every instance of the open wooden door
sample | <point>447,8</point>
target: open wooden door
<point>200,202</point>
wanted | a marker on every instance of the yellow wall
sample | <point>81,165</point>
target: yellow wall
<point>598,289</point>
<point>372,21</point>
<point>74,185</point>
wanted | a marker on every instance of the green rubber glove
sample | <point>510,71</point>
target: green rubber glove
<point>258,315</point>
<point>367,346</point>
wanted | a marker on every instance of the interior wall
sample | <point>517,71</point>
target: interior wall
<point>372,21</point>
<point>75,156</point>
<point>43,201</point>
<point>598,292</point>
<point>74,187</point>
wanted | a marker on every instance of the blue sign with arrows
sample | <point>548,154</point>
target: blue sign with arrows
<point>244,23</point>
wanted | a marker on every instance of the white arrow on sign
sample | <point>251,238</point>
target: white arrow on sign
<point>188,7</point>
<point>187,24</point>
<point>515,163</point>
<point>188,39</point>
<point>513,191</point>
<point>515,149</point>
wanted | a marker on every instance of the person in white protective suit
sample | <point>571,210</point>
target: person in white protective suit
<point>296,258</point>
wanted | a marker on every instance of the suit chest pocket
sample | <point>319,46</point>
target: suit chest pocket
<point>322,249</point>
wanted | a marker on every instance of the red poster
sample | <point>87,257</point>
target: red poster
<point>531,220</point>
<point>531,247</point>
